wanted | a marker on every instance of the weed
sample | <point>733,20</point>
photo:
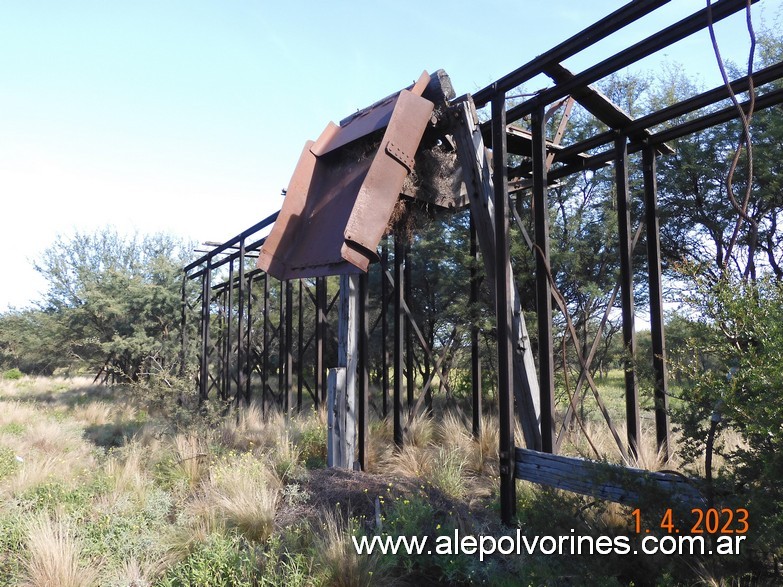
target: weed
<point>220,561</point>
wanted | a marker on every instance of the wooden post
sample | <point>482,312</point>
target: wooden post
<point>343,381</point>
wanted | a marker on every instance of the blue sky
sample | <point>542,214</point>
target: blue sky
<point>188,116</point>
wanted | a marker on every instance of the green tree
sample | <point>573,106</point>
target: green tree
<point>741,337</point>
<point>112,305</point>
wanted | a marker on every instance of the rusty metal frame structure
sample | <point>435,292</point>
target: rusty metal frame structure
<point>253,336</point>
<point>545,162</point>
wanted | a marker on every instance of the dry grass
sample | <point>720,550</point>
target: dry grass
<point>48,451</point>
<point>95,413</point>
<point>192,457</point>
<point>410,461</point>
<point>128,471</point>
<point>338,559</point>
<point>243,493</point>
<point>420,431</point>
<point>53,555</point>
<point>133,573</point>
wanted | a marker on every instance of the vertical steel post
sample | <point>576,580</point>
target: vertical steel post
<point>475,358</point>
<point>265,357</point>
<point>183,356</point>
<point>385,328</point>
<point>661,392</point>
<point>543,286</point>
<point>410,378</point>
<point>320,334</point>
<point>249,343</point>
<point>626,291</point>
<point>282,390</point>
<point>206,289</point>
<point>228,346</point>
<point>503,313</point>
<point>289,345</point>
<point>299,352</point>
<point>240,323</point>
<point>399,342</point>
<point>364,370</point>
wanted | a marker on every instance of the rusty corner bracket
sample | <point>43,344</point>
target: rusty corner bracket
<point>345,187</point>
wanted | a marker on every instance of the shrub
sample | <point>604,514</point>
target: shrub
<point>221,561</point>
<point>13,374</point>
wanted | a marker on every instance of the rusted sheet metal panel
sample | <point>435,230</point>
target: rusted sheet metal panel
<point>344,189</point>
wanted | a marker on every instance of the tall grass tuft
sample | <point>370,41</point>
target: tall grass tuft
<point>337,557</point>
<point>244,494</point>
<point>53,553</point>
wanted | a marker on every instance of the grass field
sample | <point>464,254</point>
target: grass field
<point>97,491</point>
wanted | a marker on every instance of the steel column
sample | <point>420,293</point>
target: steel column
<point>543,286</point>
<point>228,299</point>
<point>661,392</point>
<point>475,358</point>
<point>300,353</point>
<point>183,357</point>
<point>265,358</point>
<point>410,379</point>
<point>289,347</point>
<point>282,387</point>
<point>364,370</point>
<point>385,328</point>
<point>399,342</point>
<point>240,322</point>
<point>503,313</point>
<point>206,292</point>
<point>320,333</point>
<point>249,343</point>
<point>626,292</point>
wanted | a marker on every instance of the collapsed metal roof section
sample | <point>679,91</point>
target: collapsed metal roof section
<point>346,185</point>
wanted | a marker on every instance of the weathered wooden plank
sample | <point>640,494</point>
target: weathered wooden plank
<point>604,480</point>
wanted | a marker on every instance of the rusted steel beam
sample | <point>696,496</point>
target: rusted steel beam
<point>546,376</point>
<point>399,341</point>
<point>608,25</point>
<point>475,356</point>
<point>385,328</point>
<point>661,391</point>
<point>248,366</point>
<point>233,241</point>
<point>228,344</point>
<point>265,359</point>
<point>763,76</point>
<point>505,360</point>
<point>632,420</point>
<point>205,342</point>
<point>241,323</point>
<point>642,49</point>
<point>320,334</point>
<point>410,376</point>
<point>478,179</point>
<point>288,352</point>
<point>300,350</point>
<point>363,402</point>
<point>183,325</point>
